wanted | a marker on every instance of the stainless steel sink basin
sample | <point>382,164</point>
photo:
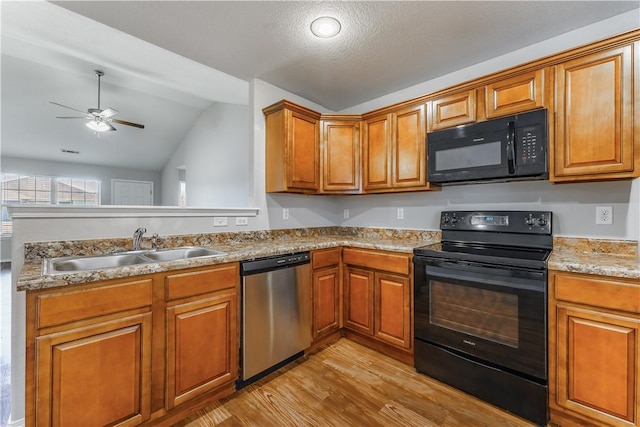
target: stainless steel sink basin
<point>181,253</point>
<point>72,264</point>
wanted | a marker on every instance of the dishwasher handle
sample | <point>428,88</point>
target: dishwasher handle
<point>261,265</point>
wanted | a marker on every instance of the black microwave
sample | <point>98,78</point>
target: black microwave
<point>504,149</point>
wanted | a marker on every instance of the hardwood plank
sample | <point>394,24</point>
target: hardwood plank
<point>346,384</point>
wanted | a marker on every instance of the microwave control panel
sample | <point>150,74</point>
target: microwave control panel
<point>529,149</point>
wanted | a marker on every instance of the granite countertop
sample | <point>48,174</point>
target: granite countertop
<point>615,258</point>
<point>600,257</point>
<point>249,246</point>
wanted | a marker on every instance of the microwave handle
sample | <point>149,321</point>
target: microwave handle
<point>510,148</point>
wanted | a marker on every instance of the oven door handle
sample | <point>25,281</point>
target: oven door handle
<point>507,282</point>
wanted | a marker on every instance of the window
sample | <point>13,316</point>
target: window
<point>78,191</point>
<point>45,190</point>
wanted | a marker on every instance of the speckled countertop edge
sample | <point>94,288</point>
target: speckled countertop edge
<point>31,277</point>
<point>588,256</point>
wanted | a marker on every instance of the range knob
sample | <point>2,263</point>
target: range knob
<point>454,219</point>
<point>542,221</point>
<point>446,219</point>
<point>530,220</point>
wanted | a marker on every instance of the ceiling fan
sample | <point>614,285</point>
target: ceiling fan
<point>99,120</point>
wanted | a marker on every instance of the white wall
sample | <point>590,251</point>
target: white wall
<point>215,154</point>
<point>573,206</point>
<point>105,174</point>
<point>304,211</point>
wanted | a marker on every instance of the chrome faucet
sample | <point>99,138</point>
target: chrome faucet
<point>137,238</point>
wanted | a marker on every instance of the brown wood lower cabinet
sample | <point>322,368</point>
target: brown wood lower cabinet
<point>201,347</point>
<point>95,375</point>
<point>594,348</point>
<point>131,351</point>
<point>326,291</point>
<point>377,298</point>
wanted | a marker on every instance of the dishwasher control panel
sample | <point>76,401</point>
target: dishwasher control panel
<point>260,265</point>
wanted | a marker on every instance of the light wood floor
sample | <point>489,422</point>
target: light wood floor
<point>346,384</point>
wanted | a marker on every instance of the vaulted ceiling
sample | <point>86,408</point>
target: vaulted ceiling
<point>165,61</point>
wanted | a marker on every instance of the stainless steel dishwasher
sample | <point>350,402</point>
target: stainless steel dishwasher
<point>276,313</point>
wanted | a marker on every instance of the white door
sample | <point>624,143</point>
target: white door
<point>131,193</point>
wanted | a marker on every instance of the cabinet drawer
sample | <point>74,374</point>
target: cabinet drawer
<point>200,282</point>
<point>393,263</point>
<point>599,292</point>
<point>60,308</point>
<point>321,259</point>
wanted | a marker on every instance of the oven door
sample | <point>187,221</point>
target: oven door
<point>494,314</point>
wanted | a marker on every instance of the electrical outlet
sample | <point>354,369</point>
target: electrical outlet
<point>400,213</point>
<point>345,213</point>
<point>285,213</point>
<point>242,220</point>
<point>604,215</point>
<point>220,221</point>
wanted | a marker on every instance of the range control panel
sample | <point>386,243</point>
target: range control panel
<point>531,222</point>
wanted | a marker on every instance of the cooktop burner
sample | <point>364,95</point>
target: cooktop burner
<point>500,255</point>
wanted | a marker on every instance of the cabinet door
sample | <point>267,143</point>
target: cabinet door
<point>376,152</point>
<point>594,120</point>
<point>326,300</point>
<point>409,159</point>
<point>453,110</point>
<point>201,347</point>
<point>341,156</point>
<point>597,365</point>
<point>392,309</point>
<point>358,300</point>
<point>95,375</point>
<point>303,152</point>
<point>515,95</point>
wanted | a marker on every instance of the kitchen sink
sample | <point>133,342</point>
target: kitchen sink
<point>181,253</point>
<point>71,264</point>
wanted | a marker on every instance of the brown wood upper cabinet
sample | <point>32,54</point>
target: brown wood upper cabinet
<point>394,157</point>
<point>292,149</point>
<point>340,154</point>
<point>595,133</point>
<point>515,94</point>
<point>452,110</point>
<point>503,97</point>
<point>594,350</point>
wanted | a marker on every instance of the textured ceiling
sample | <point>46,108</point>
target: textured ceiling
<point>166,61</point>
<point>384,46</point>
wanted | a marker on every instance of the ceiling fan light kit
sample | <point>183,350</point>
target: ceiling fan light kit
<point>99,120</point>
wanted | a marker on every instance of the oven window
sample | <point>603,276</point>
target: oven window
<point>469,156</point>
<point>482,313</point>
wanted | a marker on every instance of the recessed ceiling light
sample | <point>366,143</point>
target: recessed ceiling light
<point>325,27</point>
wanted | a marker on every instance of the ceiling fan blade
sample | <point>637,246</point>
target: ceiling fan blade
<point>123,122</point>
<point>108,112</point>
<point>70,108</point>
<point>74,117</point>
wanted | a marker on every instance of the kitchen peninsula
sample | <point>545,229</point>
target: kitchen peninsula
<point>159,292</point>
